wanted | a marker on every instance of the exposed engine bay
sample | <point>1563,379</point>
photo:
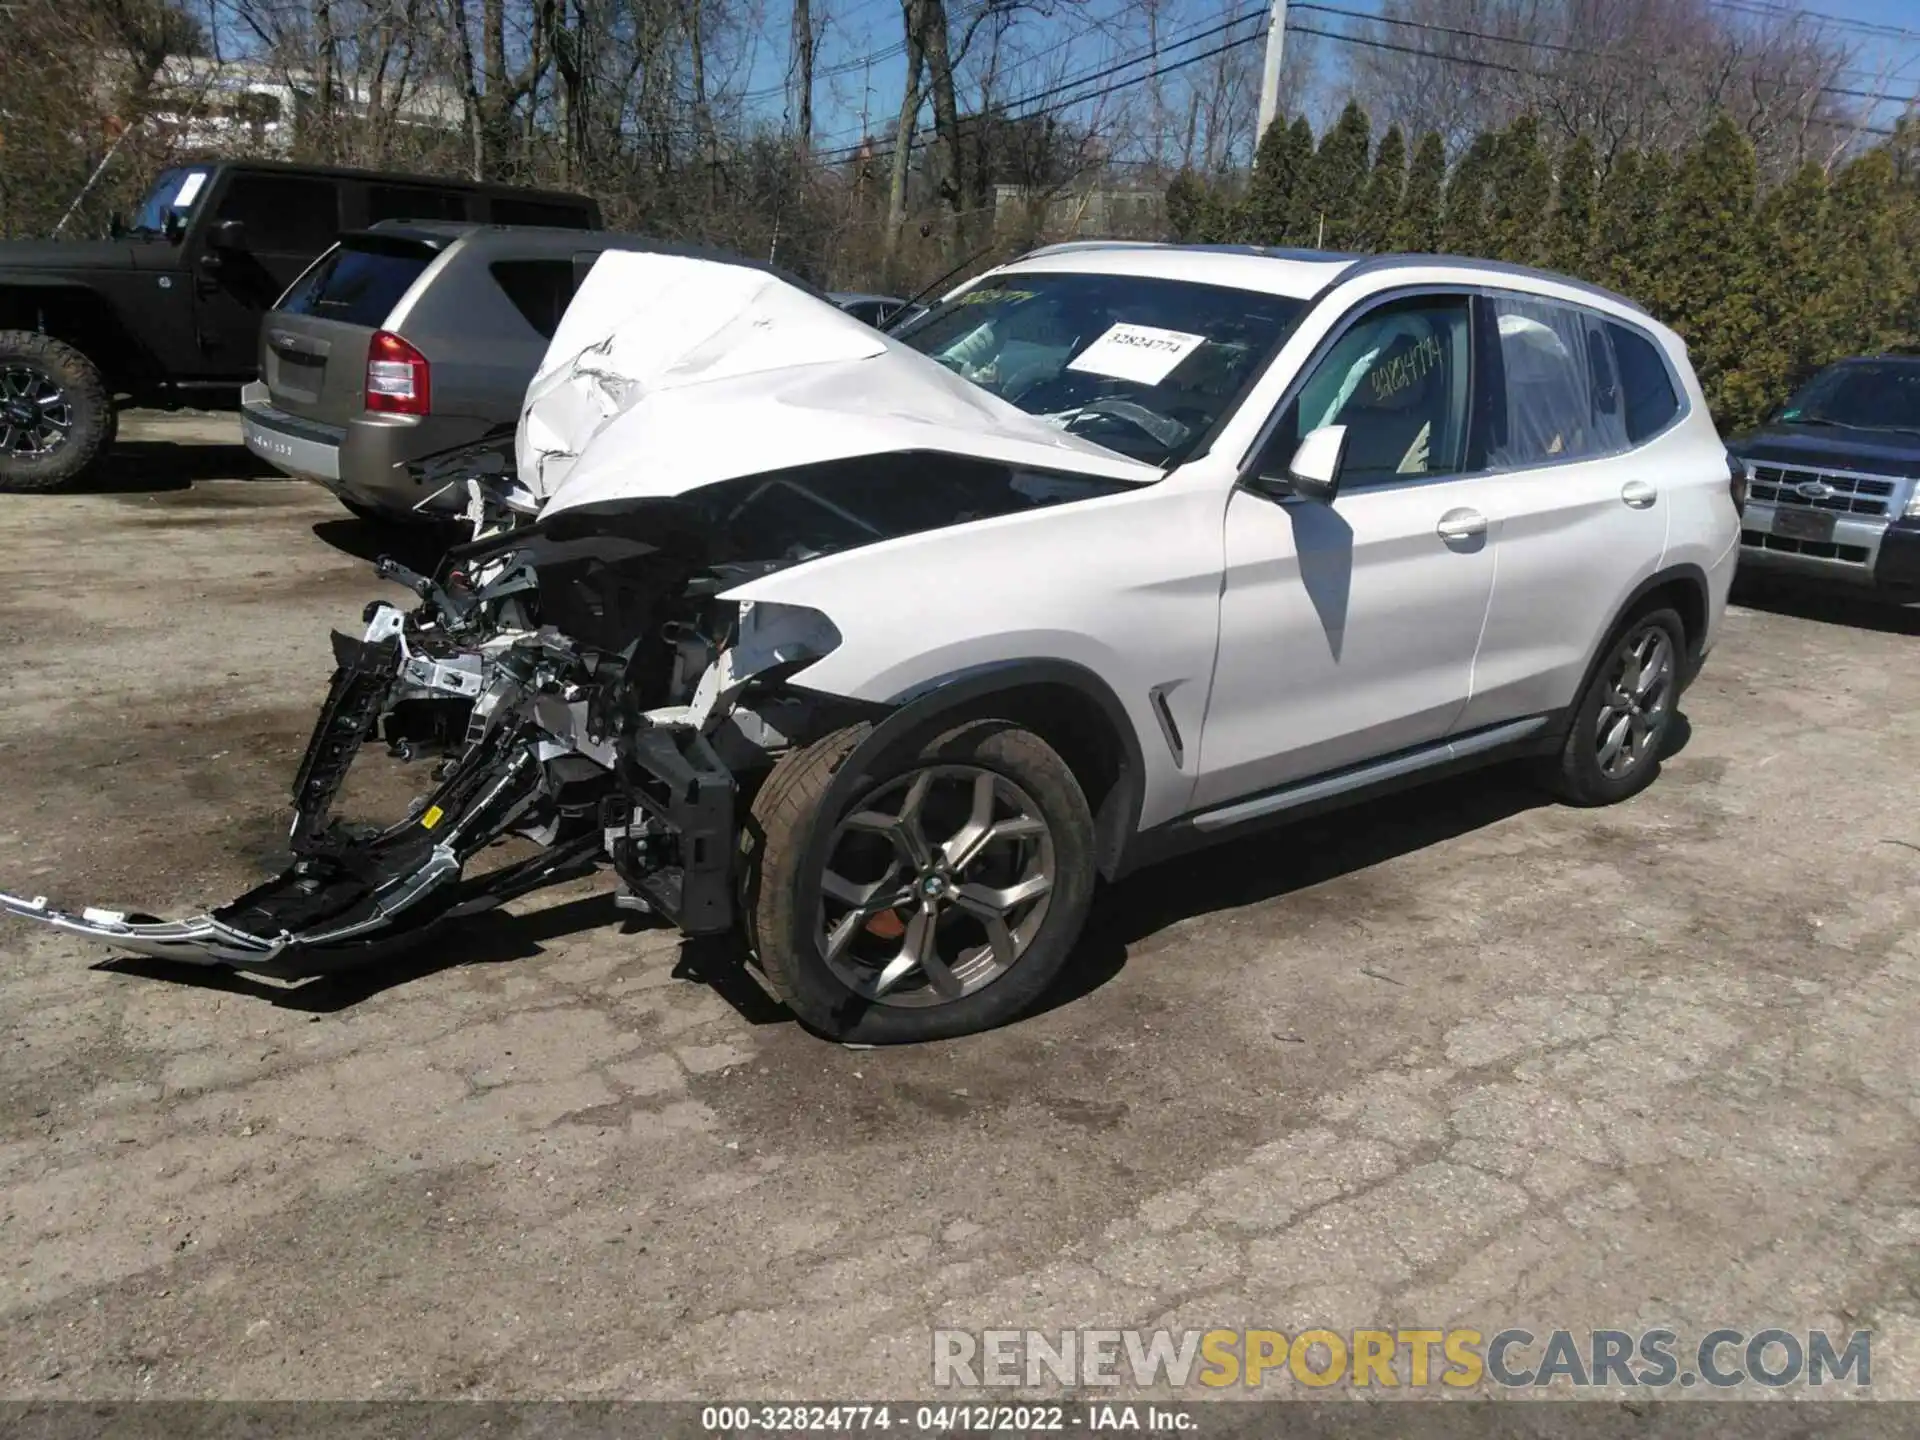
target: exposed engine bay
<point>580,681</point>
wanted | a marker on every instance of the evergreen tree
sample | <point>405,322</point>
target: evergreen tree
<point>1570,240</point>
<point>1302,218</point>
<point>1417,228</point>
<point>1616,231</point>
<point>1904,150</point>
<point>1186,202</point>
<point>1651,209</point>
<point>1337,181</point>
<point>1861,296</point>
<point>1522,184</point>
<point>1793,224</point>
<point>1380,207</point>
<point>1466,229</point>
<point>1278,170</point>
<point>1705,276</point>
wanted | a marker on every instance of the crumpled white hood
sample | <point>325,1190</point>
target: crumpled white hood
<point>668,373</point>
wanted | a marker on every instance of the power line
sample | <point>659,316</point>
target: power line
<point>1471,62</point>
<point>1772,10</point>
<point>1077,81</point>
<point>1551,46</point>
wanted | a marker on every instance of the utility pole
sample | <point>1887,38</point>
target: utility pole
<point>1270,72</point>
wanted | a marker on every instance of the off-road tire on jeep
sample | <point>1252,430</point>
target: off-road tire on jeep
<point>1581,775</point>
<point>780,905</point>
<point>93,421</point>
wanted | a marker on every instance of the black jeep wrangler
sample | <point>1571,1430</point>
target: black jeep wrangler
<point>167,313</point>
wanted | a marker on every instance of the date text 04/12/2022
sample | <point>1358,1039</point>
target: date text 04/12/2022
<point>944,1419</point>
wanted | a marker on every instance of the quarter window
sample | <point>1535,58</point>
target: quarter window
<point>1646,386</point>
<point>1397,379</point>
<point>1553,390</point>
<point>540,290</point>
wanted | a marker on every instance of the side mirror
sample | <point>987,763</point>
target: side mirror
<point>116,226</point>
<point>1314,471</point>
<point>227,236</point>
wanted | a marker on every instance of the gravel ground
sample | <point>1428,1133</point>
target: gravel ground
<point>1460,1057</point>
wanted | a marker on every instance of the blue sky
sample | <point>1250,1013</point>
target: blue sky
<point>861,69</point>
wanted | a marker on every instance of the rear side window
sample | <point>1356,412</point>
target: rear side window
<point>284,214</point>
<point>1552,390</point>
<point>1646,387</point>
<point>540,290</point>
<point>357,285</point>
<point>538,212</point>
<point>414,202</point>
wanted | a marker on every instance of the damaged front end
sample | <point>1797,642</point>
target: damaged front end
<point>576,683</point>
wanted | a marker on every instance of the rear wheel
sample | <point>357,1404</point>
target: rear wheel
<point>56,417</point>
<point>946,894</point>
<point>1623,719</point>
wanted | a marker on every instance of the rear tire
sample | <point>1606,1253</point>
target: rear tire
<point>994,917</point>
<point>1624,717</point>
<point>56,417</point>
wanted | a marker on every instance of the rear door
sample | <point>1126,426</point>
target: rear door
<point>313,346</point>
<point>1575,489</point>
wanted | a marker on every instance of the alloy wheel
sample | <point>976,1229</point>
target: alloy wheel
<point>1638,697</point>
<point>935,885</point>
<point>36,417</point>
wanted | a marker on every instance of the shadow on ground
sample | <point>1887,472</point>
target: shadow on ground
<point>136,467</point>
<point>418,546</point>
<point>1251,871</point>
<point>1827,605</point>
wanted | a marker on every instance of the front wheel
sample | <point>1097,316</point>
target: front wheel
<point>943,897</point>
<point>1623,719</point>
<point>56,417</point>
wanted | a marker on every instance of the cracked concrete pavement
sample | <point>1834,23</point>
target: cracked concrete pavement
<point>1460,1057</point>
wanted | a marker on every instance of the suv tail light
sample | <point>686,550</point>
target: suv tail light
<point>1737,482</point>
<point>399,381</point>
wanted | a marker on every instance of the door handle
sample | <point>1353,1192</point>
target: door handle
<point>1638,494</point>
<point>1461,525</point>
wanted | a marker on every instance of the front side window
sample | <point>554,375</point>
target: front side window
<point>1144,366</point>
<point>169,203</point>
<point>1552,390</point>
<point>1397,379</point>
<point>1860,395</point>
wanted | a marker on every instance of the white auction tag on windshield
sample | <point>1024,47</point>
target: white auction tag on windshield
<point>1145,354</point>
<point>189,188</point>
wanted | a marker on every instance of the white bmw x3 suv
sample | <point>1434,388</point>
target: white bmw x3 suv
<point>884,649</point>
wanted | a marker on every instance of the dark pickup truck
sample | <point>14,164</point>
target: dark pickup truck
<point>168,312</point>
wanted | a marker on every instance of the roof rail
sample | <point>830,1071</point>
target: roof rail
<point>1371,264</point>
<point>1067,247</point>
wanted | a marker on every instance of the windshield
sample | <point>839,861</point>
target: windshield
<point>170,201</point>
<point>1144,366</point>
<point>1862,395</point>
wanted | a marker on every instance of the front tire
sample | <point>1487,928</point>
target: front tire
<point>56,417</point>
<point>947,893</point>
<point>1624,718</point>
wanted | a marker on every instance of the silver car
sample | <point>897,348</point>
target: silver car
<point>405,340</point>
